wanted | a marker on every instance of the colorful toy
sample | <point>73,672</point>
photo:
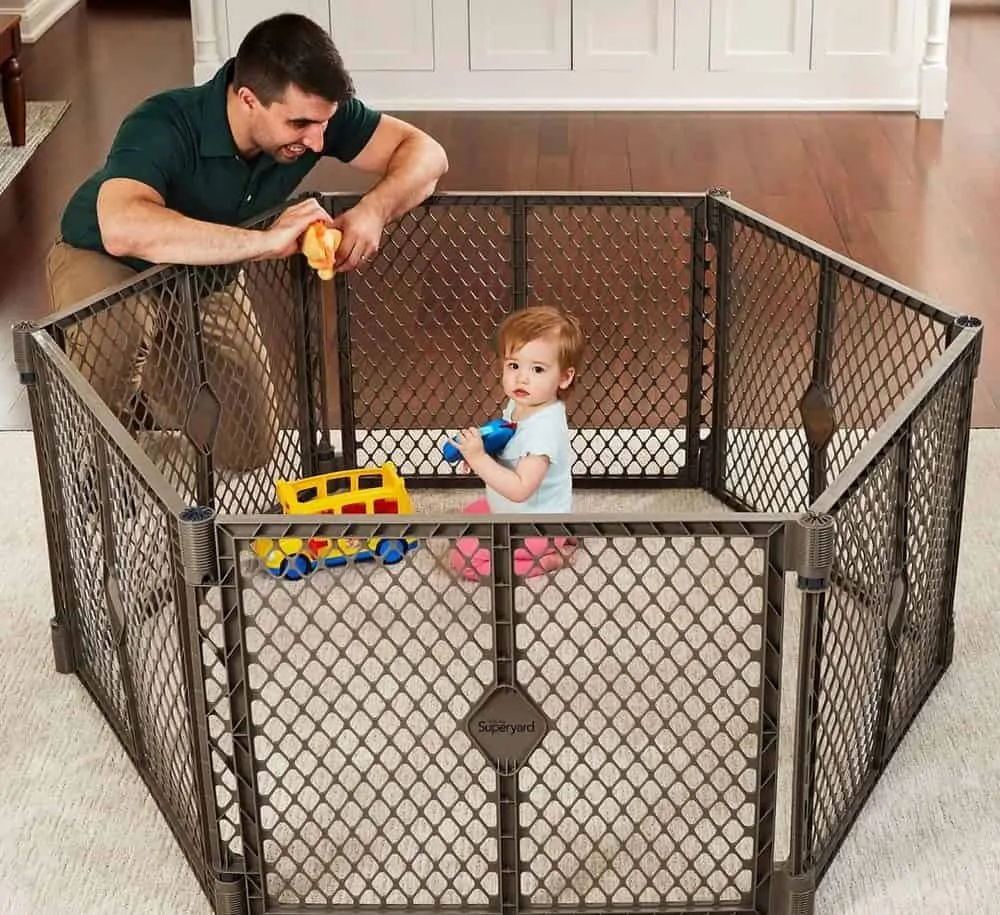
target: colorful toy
<point>378,491</point>
<point>496,433</point>
<point>319,245</point>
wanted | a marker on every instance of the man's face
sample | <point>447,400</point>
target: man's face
<point>291,125</point>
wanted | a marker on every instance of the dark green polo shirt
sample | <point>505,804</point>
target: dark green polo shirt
<point>179,143</point>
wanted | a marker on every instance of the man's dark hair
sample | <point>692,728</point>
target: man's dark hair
<point>290,48</point>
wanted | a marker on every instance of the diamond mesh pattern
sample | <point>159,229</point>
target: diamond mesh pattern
<point>258,319</point>
<point>881,349</point>
<point>367,790</point>
<point>649,659</point>
<point>238,393</point>
<point>342,776</point>
<point>138,677</point>
<point>422,319</point>
<point>626,272</point>
<point>219,726</point>
<point>770,347</point>
<point>424,316</point>
<point>145,543</point>
<point>133,348</point>
<point>853,648</point>
<point>936,436</point>
<point>74,457</point>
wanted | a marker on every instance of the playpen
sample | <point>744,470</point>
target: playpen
<point>770,446</point>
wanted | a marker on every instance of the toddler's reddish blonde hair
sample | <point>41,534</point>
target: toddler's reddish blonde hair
<point>536,321</point>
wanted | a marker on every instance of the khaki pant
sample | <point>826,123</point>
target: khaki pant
<point>137,355</point>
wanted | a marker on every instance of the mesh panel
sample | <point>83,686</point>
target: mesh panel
<point>796,316</point>
<point>223,412</point>
<point>881,348</point>
<point>646,653</point>
<point>125,615</point>
<point>886,620</point>
<point>853,645</point>
<point>626,272</point>
<point>423,317</point>
<point>219,729</point>
<point>366,789</point>
<point>75,456</point>
<point>934,469</point>
<point>650,667</point>
<point>770,339</point>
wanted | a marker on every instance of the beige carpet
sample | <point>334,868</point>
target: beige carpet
<point>42,118</point>
<point>81,836</point>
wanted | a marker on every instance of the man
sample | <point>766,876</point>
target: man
<point>186,168</point>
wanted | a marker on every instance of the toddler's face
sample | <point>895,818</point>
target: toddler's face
<point>531,375</point>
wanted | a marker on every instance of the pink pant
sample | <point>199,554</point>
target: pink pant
<point>538,555</point>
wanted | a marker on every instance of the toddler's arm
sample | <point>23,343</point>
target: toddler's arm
<point>517,485</point>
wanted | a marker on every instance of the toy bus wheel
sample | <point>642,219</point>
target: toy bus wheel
<point>390,551</point>
<point>299,566</point>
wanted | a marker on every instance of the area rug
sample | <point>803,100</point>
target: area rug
<point>81,833</point>
<point>42,118</point>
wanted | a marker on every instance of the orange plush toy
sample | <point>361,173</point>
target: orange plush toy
<point>319,245</point>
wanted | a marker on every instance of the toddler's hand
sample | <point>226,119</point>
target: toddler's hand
<point>469,443</point>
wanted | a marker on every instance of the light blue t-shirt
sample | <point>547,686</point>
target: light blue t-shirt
<point>545,432</point>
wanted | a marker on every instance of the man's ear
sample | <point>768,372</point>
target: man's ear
<point>567,378</point>
<point>247,97</point>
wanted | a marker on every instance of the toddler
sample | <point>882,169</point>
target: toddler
<point>540,349</point>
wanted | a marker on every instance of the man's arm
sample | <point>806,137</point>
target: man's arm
<point>411,163</point>
<point>135,222</point>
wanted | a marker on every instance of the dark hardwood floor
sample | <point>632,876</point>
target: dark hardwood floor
<point>914,200</point>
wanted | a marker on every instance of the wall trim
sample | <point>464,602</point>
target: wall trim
<point>642,104</point>
<point>39,16</point>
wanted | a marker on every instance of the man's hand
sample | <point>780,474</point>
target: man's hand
<point>282,238</point>
<point>362,227</point>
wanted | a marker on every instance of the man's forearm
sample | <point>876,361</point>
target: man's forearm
<point>410,177</point>
<point>161,236</point>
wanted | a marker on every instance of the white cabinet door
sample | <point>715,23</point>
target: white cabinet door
<point>624,35</point>
<point>852,33</point>
<point>384,34</point>
<point>520,34</point>
<point>243,15</point>
<point>757,35</point>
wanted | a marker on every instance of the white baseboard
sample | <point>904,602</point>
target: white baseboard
<point>642,104</point>
<point>38,16</point>
<point>205,70</point>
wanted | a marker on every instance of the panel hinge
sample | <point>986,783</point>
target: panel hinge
<point>230,895</point>
<point>198,547</point>
<point>23,359</point>
<point>792,894</point>
<point>713,210</point>
<point>810,547</point>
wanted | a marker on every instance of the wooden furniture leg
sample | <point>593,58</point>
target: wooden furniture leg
<point>13,100</point>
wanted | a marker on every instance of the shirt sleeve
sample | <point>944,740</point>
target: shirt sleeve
<point>540,438</point>
<point>350,129</point>
<point>148,148</point>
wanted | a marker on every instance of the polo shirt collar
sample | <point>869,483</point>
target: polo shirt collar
<point>216,137</point>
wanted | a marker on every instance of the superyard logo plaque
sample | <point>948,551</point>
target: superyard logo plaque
<point>506,726</point>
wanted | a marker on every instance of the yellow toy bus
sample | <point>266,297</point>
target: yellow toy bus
<point>372,491</point>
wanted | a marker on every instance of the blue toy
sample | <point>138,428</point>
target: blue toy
<point>496,433</point>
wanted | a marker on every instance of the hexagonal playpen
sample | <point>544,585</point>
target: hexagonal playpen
<point>770,446</point>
